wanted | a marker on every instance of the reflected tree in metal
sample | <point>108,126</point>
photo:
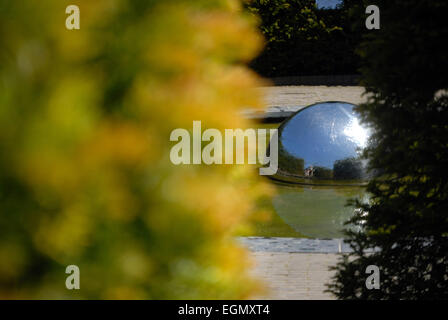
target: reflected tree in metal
<point>323,142</point>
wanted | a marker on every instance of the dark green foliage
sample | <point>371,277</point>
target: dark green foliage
<point>347,169</point>
<point>288,163</point>
<point>303,40</point>
<point>405,69</point>
<point>323,173</point>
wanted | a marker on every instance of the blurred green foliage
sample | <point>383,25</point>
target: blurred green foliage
<point>405,72</point>
<point>85,175</point>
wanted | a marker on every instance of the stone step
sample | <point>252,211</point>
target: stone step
<point>283,244</point>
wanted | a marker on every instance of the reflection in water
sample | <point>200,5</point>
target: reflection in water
<point>318,212</point>
<point>323,141</point>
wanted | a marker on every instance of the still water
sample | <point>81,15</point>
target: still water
<point>314,212</point>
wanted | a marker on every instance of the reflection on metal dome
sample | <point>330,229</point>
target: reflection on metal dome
<point>322,143</point>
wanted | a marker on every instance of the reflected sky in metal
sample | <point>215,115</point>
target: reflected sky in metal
<point>327,137</point>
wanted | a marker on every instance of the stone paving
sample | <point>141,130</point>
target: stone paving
<point>283,101</point>
<point>294,245</point>
<point>294,268</point>
<point>294,276</point>
<point>290,96</point>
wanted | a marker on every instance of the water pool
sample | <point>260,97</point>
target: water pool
<point>310,212</point>
<point>314,212</point>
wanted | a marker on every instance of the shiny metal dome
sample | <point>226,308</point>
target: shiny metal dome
<point>322,144</point>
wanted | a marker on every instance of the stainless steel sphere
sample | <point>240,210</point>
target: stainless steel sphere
<point>321,144</point>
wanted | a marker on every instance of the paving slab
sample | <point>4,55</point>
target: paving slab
<point>294,276</point>
<point>291,96</point>
<point>294,245</point>
<point>283,101</point>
